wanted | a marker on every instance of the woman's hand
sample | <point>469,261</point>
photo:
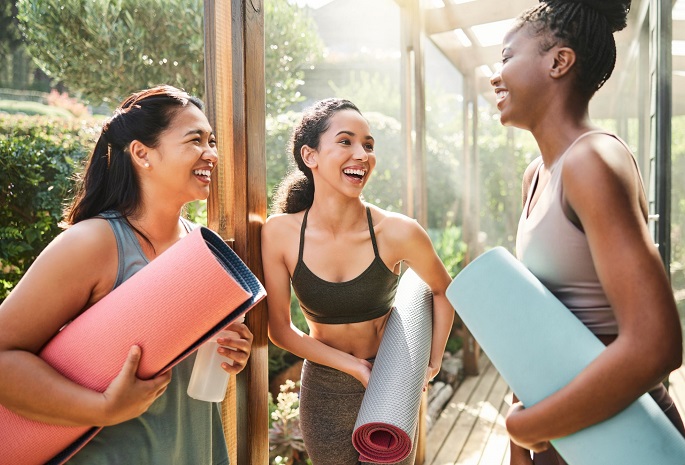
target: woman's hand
<point>362,371</point>
<point>512,421</point>
<point>431,372</point>
<point>128,396</point>
<point>236,349</point>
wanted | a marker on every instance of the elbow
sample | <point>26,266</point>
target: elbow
<point>277,337</point>
<point>675,360</point>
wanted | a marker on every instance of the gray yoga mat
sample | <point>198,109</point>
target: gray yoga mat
<point>389,413</point>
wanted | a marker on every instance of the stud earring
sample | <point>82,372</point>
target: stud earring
<point>146,165</point>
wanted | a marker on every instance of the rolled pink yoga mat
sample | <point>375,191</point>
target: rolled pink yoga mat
<point>389,414</point>
<point>171,306</point>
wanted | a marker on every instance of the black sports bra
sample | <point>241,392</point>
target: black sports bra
<point>368,296</point>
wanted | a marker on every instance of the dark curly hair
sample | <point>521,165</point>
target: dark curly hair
<point>586,26</point>
<point>296,191</point>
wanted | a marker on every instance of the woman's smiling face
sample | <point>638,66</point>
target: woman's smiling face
<point>345,156</point>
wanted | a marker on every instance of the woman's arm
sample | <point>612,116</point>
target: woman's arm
<point>57,287</point>
<point>281,330</point>
<point>603,191</point>
<point>419,254</point>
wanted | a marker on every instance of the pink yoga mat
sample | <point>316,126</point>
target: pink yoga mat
<point>176,302</point>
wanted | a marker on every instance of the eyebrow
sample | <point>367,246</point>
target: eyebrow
<point>351,134</point>
<point>198,132</point>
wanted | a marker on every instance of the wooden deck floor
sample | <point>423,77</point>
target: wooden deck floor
<point>470,431</point>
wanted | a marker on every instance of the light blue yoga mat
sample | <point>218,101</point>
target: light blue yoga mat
<point>539,346</point>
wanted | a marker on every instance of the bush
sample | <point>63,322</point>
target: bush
<point>33,108</point>
<point>37,160</point>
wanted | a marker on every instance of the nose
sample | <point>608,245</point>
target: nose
<point>211,155</point>
<point>360,153</point>
<point>496,76</point>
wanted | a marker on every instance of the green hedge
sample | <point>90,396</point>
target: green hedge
<point>38,157</point>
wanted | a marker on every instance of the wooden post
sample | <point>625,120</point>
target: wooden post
<point>235,95</point>
<point>470,223</point>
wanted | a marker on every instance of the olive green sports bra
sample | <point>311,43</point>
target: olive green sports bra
<point>368,296</point>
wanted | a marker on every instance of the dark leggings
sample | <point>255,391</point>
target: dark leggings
<point>663,400</point>
<point>329,404</point>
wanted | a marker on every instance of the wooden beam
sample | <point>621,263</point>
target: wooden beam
<point>679,29</point>
<point>234,56</point>
<point>466,15</point>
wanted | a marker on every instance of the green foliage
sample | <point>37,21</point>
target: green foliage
<point>450,247</point>
<point>678,192</point>
<point>37,160</point>
<point>453,345</point>
<point>33,108</point>
<point>503,155</point>
<point>105,49</point>
<point>292,44</point>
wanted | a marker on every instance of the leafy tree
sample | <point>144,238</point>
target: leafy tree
<point>105,49</point>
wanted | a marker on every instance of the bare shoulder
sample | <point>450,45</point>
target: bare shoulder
<point>282,223</point>
<point>74,271</point>
<point>395,226</point>
<point>598,159</point>
<point>84,240</point>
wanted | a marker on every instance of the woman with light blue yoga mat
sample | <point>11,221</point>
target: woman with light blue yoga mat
<point>583,230</point>
<point>342,257</point>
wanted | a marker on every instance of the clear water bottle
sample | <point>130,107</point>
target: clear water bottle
<point>208,381</point>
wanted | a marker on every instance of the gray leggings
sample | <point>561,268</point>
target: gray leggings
<point>329,404</point>
<point>663,400</point>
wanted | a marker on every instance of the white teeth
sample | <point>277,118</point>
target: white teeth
<point>202,172</point>
<point>501,94</point>
<point>357,172</point>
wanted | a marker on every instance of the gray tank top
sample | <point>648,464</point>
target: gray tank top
<point>558,253</point>
<point>176,429</point>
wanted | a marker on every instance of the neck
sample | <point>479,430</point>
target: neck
<point>558,129</point>
<point>337,216</point>
<point>160,225</point>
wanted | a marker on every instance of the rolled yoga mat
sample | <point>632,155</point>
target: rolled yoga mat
<point>172,305</point>
<point>388,417</point>
<point>539,346</point>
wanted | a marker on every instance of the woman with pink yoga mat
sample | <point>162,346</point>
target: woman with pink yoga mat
<point>154,155</point>
<point>583,231</point>
<point>342,257</point>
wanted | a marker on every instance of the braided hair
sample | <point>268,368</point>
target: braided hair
<point>296,191</point>
<point>587,27</point>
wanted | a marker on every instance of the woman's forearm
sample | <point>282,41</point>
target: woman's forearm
<point>608,385</point>
<point>443,317</point>
<point>33,389</point>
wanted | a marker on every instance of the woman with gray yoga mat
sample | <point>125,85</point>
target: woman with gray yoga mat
<point>583,230</point>
<point>153,156</point>
<point>342,257</point>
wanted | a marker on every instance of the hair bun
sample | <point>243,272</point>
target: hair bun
<point>615,11</point>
